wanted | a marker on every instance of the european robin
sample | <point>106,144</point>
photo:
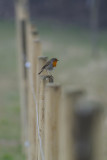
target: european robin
<point>50,65</point>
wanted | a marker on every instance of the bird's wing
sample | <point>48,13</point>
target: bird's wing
<point>46,65</point>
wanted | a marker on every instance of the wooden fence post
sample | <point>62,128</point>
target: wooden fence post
<point>40,63</point>
<point>66,147</point>
<point>22,16</point>
<point>52,100</point>
<point>41,60</point>
<point>43,81</point>
<point>88,131</point>
<point>37,50</point>
<point>31,109</point>
<point>33,54</point>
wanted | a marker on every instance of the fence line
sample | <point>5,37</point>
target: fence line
<point>56,123</point>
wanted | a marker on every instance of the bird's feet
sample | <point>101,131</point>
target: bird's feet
<point>50,76</point>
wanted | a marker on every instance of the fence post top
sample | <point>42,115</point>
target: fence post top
<point>73,90</point>
<point>47,77</point>
<point>37,40</point>
<point>43,58</point>
<point>34,31</point>
<point>53,85</point>
<point>86,107</point>
<point>43,77</point>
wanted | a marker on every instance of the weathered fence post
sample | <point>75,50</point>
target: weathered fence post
<point>22,16</point>
<point>41,60</point>
<point>40,63</point>
<point>88,131</point>
<point>43,81</point>
<point>52,101</point>
<point>32,57</point>
<point>66,146</point>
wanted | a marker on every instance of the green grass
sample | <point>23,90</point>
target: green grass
<point>73,48</point>
<point>10,143</point>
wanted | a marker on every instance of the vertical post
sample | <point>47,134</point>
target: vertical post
<point>88,131</point>
<point>66,145</point>
<point>52,101</point>
<point>31,108</point>
<point>43,81</point>
<point>41,61</point>
<point>22,16</point>
<point>34,52</point>
<point>37,52</point>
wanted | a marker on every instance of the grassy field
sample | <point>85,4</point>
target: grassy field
<point>72,46</point>
<point>10,145</point>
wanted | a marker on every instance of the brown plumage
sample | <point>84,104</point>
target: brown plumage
<point>49,65</point>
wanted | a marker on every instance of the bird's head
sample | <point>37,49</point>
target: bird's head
<point>54,61</point>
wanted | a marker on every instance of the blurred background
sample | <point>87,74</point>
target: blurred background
<point>74,31</point>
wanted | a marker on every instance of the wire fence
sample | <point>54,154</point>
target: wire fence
<point>56,124</point>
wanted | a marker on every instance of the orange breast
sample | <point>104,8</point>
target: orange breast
<point>54,63</point>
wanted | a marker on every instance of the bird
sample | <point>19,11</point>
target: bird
<point>49,66</point>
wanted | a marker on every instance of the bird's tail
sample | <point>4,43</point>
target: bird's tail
<point>40,71</point>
